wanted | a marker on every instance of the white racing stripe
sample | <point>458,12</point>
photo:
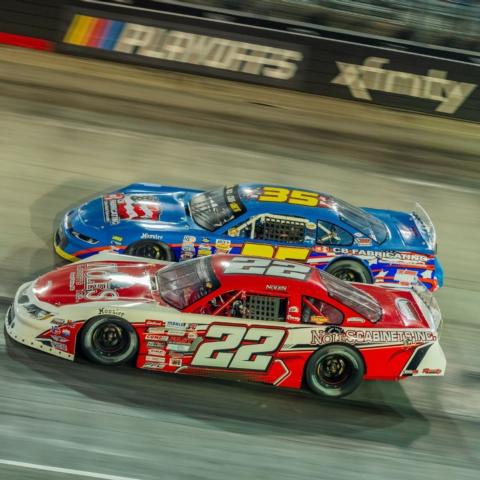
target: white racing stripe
<point>443,186</point>
<point>67,471</point>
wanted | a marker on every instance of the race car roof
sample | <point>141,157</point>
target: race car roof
<point>279,199</point>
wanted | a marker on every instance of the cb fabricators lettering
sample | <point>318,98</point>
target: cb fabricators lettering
<point>372,76</point>
<point>207,51</point>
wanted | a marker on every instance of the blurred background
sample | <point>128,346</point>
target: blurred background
<point>446,23</point>
<point>377,102</point>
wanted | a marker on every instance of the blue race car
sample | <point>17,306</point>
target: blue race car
<point>172,223</point>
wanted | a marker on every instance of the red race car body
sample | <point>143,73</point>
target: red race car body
<point>263,320</point>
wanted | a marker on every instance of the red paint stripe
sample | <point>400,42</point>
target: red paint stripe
<point>98,249</point>
<point>98,32</point>
<point>26,42</point>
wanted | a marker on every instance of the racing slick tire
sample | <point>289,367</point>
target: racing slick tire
<point>350,271</point>
<point>149,249</point>
<point>109,340</point>
<point>335,370</point>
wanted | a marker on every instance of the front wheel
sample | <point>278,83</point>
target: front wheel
<point>350,271</point>
<point>335,370</point>
<point>109,340</point>
<point>149,249</point>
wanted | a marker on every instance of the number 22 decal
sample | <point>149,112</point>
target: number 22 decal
<point>250,356</point>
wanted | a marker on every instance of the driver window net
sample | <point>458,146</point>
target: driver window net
<point>260,307</point>
<point>279,229</point>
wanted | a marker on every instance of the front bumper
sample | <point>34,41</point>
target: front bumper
<point>59,243</point>
<point>24,328</point>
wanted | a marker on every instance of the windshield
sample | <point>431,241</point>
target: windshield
<point>361,220</point>
<point>182,284</point>
<point>352,297</point>
<point>213,209</point>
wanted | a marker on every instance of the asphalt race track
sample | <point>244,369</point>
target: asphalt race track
<point>72,128</point>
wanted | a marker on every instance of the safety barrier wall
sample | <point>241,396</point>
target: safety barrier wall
<point>219,47</point>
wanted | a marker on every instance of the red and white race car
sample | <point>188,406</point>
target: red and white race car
<point>262,320</point>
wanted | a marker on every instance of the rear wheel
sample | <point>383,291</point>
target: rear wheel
<point>149,249</point>
<point>109,340</point>
<point>350,271</point>
<point>335,370</point>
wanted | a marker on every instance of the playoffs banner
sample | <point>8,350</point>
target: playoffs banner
<point>188,48</point>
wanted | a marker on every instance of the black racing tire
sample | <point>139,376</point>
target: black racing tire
<point>109,340</point>
<point>151,249</point>
<point>335,370</point>
<point>350,271</point>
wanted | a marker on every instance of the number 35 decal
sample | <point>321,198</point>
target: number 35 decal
<point>250,356</point>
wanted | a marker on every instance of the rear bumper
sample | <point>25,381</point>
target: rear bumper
<point>438,274</point>
<point>426,361</point>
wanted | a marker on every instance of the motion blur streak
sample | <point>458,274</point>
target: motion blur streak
<point>66,471</point>
<point>72,128</point>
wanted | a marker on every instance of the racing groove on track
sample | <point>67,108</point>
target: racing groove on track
<point>56,150</point>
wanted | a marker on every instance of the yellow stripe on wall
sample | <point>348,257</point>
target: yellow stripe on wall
<point>81,28</point>
<point>71,30</point>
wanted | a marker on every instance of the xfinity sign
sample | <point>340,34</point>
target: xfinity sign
<point>372,76</point>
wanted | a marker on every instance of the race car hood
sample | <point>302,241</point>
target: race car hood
<point>158,209</point>
<point>404,233</point>
<point>95,281</point>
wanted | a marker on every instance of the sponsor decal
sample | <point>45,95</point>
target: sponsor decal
<point>372,76</point>
<point>356,320</point>
<point>204,249</point>
<point>95,282</point>
<point>383,255</point>
<point>154,337</point>
<point>110,311</point>
<point>176,324</point>
<point>160,345</point>
<point>154,365</point>
<point>189,240</point>
<point>293,318</point>
<point>405,277</point>
<point>156,352</point>
<point>151,236</point>
<point>319,319</point>
<point>192,335</point>
<point>432,371</point>
<point>156,330</point>
<point>179,347</point>
<point>187,250</point>
<point>117,207</point>
<point>276,288</point>
<point>150,358</point>
<point>176,355</point>
<point>175,362</point>
<point>59,346</point>
<point>293,309</point>
<point>223,246</point>
<point>57,321</point>
<point>156,323</point>
<point>72,281</point>
<point>319,337</point>
<point>186,255</point>
<point>363,242</point>
<point>59,339</point>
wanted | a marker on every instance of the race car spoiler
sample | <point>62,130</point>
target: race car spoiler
<point>425,226</point>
